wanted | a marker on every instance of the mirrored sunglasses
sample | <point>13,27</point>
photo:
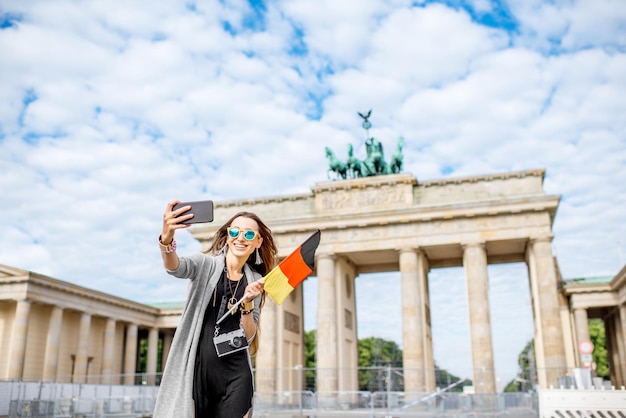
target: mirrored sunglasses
<point>248,234</point>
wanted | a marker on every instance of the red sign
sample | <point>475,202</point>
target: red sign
<point>585,347</point>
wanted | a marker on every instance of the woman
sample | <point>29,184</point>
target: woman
<point>196,381</point>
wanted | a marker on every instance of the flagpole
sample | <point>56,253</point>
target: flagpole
<point>232,309</point>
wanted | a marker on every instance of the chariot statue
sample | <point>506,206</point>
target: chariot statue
<point>373,165</point>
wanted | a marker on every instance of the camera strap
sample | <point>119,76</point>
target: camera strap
<point>223,303</point>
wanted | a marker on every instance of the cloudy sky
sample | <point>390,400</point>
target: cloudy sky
<point>108,110</point>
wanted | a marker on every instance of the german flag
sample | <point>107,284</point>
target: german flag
<point>292,271</point>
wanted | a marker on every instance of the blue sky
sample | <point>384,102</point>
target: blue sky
<point>108,112</point>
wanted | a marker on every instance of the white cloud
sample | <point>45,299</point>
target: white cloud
<point>568,25</point>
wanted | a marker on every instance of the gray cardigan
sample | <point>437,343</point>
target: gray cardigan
<point>174,399</point>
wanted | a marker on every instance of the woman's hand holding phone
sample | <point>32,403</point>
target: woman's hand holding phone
<point>172,220</point>
<point>180,215</point>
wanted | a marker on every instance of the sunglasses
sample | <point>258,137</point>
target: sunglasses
<point>248,234</point>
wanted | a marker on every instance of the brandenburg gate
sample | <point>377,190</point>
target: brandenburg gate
<point>395,223</point>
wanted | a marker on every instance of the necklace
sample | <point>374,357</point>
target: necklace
<point>233,295</point>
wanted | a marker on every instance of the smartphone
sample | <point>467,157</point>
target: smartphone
<point>202,211</point>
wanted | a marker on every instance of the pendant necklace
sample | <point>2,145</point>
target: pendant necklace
<point>233,298</point>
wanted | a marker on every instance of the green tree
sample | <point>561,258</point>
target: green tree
<point>142,361</point>
<point>374,354</point>
<point>377,351</point>
<point>143,355</point>
<point>600,355</point>
<point>309,359</point>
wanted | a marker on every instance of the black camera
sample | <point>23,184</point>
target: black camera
<point>230,342</point>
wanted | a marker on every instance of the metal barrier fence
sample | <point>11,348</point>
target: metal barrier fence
<point>381,394</point>
<point>373,378</point>
<point>138,401</point>
<point>396,404</point>
<point>74,400</point>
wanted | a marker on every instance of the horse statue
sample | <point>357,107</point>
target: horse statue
<point>375,162</point>
<point>336,166</point>
<point>353,164</point>
<point>395,165</point>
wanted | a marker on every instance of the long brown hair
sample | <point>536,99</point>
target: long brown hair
<point>267,251</point>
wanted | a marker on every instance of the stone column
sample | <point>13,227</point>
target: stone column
<point>151,361</point>
<point>569,331</point>
<point>347,347</point>
<point>279,352</point>
<point>82,349</point>
<point>549,343</point>
<point>53,343</point>
<point>581,322</point>
<point>412,322</point>
<point>19,333</point>
<point>326,351</point>
<point>266,359</point>
<point>622,347</point>
<point>619,339</point>
<point>611,345</point>
<point>168,336</point>
<point>475,265</point>
<point>430,382</point>
<point>108,354</point>
<point>130,354</point>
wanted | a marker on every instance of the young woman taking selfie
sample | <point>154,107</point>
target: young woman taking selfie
<point>209,371</point>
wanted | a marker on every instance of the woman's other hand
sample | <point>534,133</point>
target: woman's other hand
<point>253,290</point>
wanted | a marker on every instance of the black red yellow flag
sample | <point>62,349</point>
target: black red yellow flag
<point>292,271</point>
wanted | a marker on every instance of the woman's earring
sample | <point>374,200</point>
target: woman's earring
<point>223,250</point>
<point>258,260</point>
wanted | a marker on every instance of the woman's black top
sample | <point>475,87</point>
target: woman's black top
<point>222,385</point>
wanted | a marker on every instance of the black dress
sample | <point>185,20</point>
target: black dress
<point>222,385</point>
